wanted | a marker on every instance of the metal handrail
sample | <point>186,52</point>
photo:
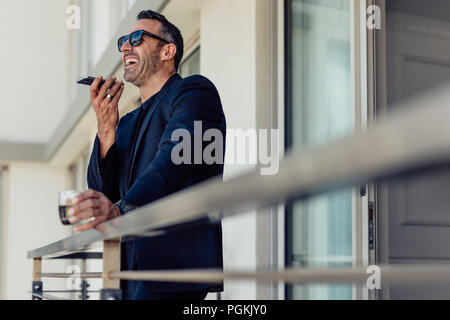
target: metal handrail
<point>406,141</point>
<point>388,273</point>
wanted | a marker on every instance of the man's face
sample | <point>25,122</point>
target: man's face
<point>144,60</point>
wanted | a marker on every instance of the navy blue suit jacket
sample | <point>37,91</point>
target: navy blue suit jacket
<point>148,173</point>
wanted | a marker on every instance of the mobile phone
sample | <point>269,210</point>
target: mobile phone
<point>88,81</point>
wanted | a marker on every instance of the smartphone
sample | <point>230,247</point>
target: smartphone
<point>88,81</point>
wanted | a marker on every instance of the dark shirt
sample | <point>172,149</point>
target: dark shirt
<point>142,112</point>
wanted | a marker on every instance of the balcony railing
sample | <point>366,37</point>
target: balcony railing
<point>416,137</point>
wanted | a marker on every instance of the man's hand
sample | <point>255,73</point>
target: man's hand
<point>106,110</point>
<point>92,204</point>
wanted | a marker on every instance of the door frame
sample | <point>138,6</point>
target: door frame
<point>377,109</point>
<point>361,59</point>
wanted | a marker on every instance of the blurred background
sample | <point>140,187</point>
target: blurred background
<point>314,69</point>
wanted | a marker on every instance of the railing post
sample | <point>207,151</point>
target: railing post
<point>111,263</point>
<point>84,283</point>
<point>36,286</point>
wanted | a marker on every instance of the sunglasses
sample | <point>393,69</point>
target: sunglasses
<point>136,38</point>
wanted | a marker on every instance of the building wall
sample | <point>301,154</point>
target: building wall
<point>31,221</point>
<point>34,53</point>
<point>228,59</point>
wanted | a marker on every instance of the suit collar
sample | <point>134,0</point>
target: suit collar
<point>168,83</point>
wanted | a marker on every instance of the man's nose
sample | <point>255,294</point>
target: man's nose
<point>127,47</point>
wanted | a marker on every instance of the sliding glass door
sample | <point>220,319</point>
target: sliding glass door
<point>319,108</point>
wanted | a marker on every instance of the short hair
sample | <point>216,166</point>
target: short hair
<point>168,32</point>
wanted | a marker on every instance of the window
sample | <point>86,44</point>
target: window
<point>79,51</point>
<point>191,65</point>
<point>100,33</point>
<point>104,20</point>
<point>318,109</point>
<point>78,172</point>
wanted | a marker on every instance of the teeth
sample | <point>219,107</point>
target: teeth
<point>129,61</point>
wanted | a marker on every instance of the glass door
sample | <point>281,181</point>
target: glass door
<point>319,108</point>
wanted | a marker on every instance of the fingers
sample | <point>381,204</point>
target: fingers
<point>85,205</point>
<point>91,204</point>
<point>115,88</point>
<point>117,95</point>
<point>89,225</point>
<point>89,207</point>
<point>87,195</point>
<point>108,84</point>
<point>95,87</point>
<point>83,215</point>
<point>106,108</point>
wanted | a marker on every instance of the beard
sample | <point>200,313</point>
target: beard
<point>147,67</point>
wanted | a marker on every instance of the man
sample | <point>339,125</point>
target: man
<point>131,160</point>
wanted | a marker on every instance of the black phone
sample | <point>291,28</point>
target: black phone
<point>88,81</point>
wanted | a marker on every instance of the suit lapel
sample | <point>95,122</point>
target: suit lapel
<point>146,122</point>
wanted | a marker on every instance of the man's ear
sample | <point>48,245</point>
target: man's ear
<point>168,52</point>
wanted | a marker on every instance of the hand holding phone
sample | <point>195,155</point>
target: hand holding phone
<point>105,100</point>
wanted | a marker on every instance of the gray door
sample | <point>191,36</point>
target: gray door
<point>415,209</point>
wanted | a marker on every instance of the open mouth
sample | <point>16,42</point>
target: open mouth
<point>131,61</point>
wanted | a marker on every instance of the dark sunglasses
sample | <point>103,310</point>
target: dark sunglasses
<point>136,38</point>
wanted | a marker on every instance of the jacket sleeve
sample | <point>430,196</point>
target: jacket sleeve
<point>196,100</point>
<point>102,174</point>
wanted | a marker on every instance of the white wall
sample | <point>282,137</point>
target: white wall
<point>34,57</point>
<point>228,59</point>
<point>31,221</point>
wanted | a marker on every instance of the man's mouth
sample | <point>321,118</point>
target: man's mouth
<point>130,61</point>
